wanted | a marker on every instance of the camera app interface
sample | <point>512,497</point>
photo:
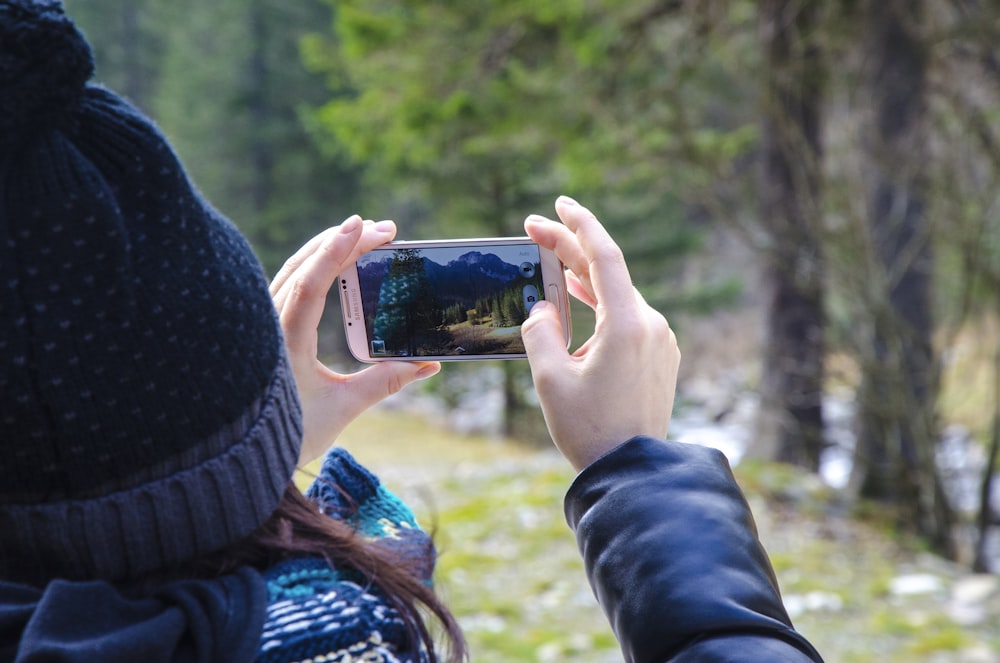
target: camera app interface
<point>437,302</point>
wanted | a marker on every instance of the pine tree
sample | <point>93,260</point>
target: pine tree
<point>407,304</point>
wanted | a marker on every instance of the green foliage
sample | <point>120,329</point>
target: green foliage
<point>466,118</point>
<point>421,111</point>
<point>941,637</point>
<point>453,119</point>
<point>226,83</point>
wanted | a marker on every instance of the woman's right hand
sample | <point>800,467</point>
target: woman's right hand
<point>620,382</point>
<point>331,400</point>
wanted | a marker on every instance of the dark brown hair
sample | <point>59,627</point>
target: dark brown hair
<point>298,529</point>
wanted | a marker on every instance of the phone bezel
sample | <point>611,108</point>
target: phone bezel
<point>553,279</point>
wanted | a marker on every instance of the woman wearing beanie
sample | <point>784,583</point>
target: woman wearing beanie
<point>156,394</point>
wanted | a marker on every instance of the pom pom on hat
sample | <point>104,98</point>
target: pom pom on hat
<point>44,63</point>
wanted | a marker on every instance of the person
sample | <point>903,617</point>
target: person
<point>157,394</point>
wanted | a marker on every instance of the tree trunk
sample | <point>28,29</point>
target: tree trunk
<point>131,43</point>
<point>897,424</point>
<point>789,427</point>
<point>261,151</point>
<point>986,517</point>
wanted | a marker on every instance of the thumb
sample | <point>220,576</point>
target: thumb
<point>386,378</point>
<point>543,337</point>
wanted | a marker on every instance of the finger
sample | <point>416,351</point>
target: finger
<point>304,258</point>
<point>609,276</point>
<point>330,258</point>
<point>326,251</point>
<point>376,383</point>
<point>563,242</point>
<point>300,256</point>
<point>544,342</point>
<point>580,291</point>
<point>302,299</point>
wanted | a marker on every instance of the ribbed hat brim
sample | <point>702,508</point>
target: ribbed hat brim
<point>166,522</point>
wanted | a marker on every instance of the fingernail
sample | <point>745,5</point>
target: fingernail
<point>351,224</point>
<point>566,200</point>
<point>428,370</point>
<point>385,227</point>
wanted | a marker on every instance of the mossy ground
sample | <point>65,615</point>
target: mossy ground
<point>510,570</point>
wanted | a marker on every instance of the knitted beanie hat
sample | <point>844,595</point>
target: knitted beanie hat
<point>148,414</point>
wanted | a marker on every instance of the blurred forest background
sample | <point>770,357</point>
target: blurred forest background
<point>808,189</point>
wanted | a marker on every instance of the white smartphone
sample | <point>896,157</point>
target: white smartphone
<point>448,300</point>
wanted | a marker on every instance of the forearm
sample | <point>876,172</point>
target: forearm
<point>672,554</point>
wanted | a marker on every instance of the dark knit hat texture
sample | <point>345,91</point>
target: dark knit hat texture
<point>148,414</point>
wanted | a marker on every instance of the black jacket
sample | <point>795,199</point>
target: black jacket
<point>672,554</point>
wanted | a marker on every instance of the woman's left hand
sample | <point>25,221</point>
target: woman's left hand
<point>331,400</point>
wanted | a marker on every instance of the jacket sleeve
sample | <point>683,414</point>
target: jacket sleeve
<point>671,551</point>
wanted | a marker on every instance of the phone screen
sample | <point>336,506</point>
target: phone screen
<point>448,301</point>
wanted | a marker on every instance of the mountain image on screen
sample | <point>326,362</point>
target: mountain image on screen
<point>473,304</point>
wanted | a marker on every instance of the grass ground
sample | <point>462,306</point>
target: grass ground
<point>511,573</point>
<point>483,339</point>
